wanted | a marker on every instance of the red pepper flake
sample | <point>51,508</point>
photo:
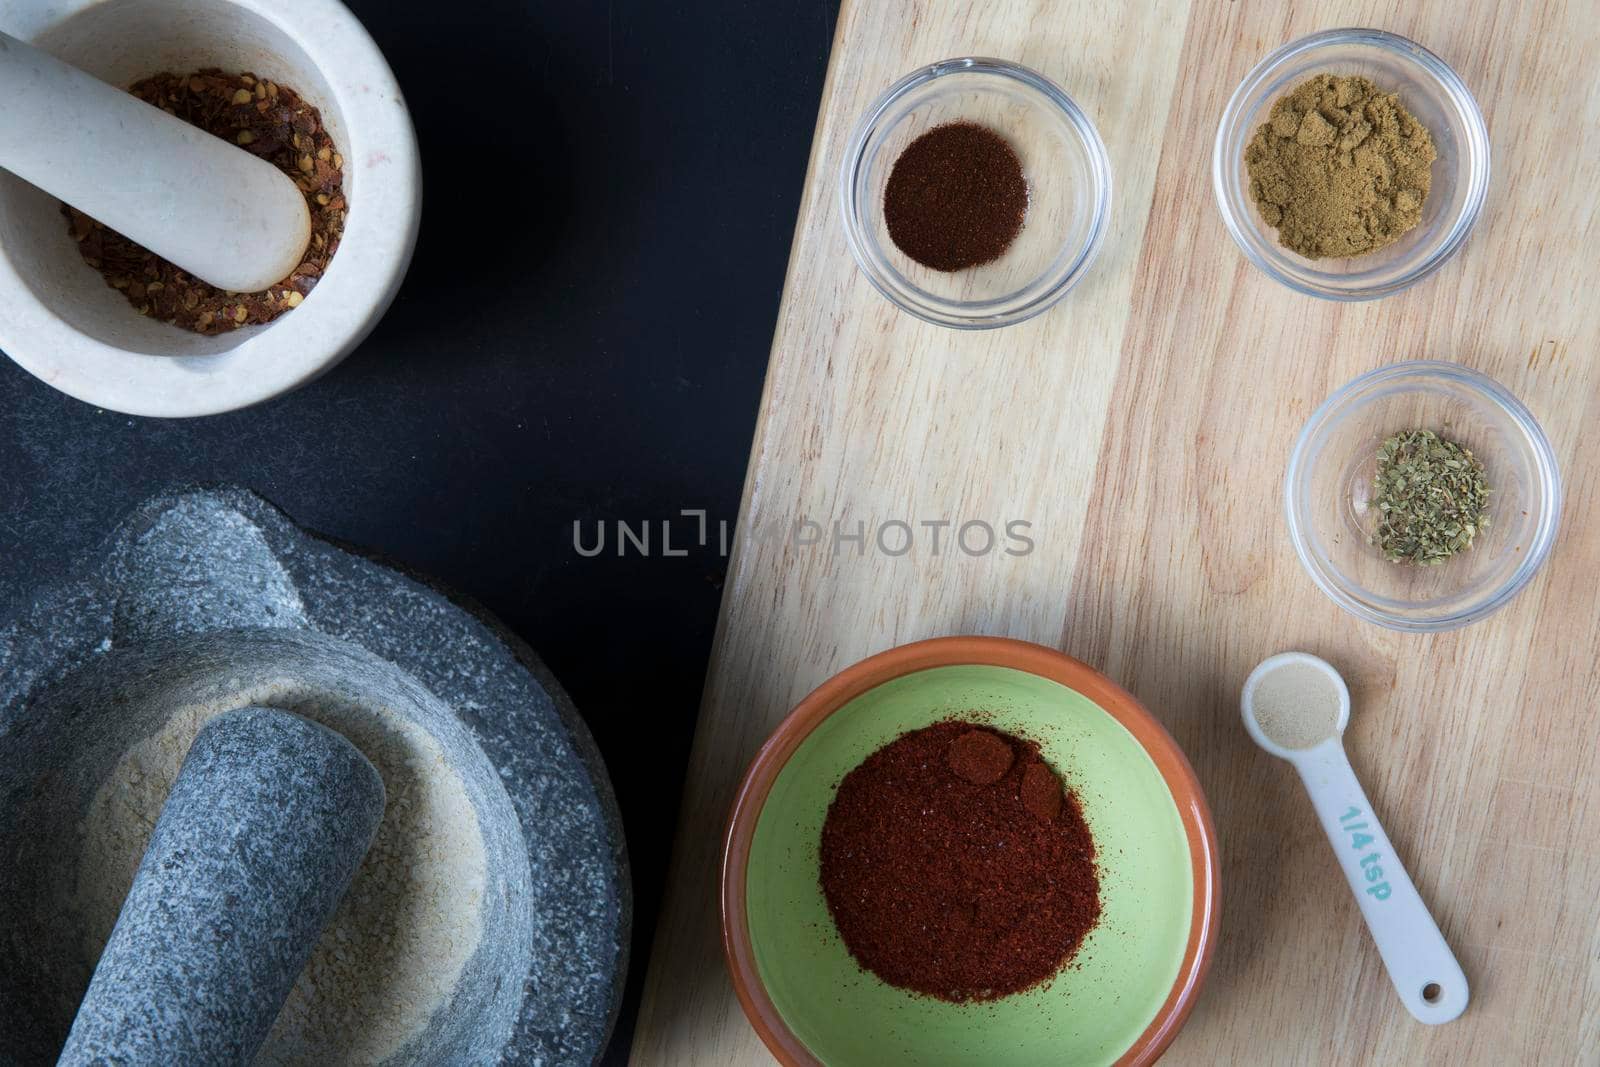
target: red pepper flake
<point>267,120</point>
<point>960,889</point>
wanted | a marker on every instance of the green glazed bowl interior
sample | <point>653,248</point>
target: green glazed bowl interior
<point>1093,1011</point>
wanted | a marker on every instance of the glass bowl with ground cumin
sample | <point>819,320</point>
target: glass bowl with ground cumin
<point>1422,496</point>
<point>975,193</point>
<point>1351,164</point>
<point>969,851</point>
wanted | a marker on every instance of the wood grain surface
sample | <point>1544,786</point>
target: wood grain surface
<point>1142,427</point>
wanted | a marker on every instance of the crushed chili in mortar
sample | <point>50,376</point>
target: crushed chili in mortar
<point>268,120</point>
<point>956,864</point>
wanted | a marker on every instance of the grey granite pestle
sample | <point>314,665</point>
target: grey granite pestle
<point>265,826</point>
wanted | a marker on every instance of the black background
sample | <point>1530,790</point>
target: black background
<point>610,192</point>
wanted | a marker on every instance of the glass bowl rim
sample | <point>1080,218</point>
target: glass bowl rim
<point>1485,388</point>
<point>959,314</point>
<point>1235,213</point>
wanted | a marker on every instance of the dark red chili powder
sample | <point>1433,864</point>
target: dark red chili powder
<point>949,879</point>
<point>981,756</point>
<point>956,197</point>
<point>1041,791</point>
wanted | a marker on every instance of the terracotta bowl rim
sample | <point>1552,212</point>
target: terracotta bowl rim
<point>1030,658</point>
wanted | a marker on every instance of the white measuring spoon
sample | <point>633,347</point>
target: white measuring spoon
<point>206,205</point>
<point>1420,964</point>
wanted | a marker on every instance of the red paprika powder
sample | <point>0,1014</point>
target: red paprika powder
<point>955,864</point>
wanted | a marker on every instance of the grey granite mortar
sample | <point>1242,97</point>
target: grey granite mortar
<point>262,831</point>
<point>204,594</point>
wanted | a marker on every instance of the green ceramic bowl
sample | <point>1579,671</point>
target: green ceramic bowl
<point>1135,978</point>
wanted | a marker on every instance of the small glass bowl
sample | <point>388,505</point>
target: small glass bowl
<point>1069,191</point>
<point>1430,90</point>
<point>1328,491</point>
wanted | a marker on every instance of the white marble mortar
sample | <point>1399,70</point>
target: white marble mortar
<point>63,323</point>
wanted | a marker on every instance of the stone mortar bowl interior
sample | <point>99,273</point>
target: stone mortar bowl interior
<point>202,596</point>
<point>63,323</point>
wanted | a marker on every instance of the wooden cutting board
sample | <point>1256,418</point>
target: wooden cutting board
<point>1142,426</point>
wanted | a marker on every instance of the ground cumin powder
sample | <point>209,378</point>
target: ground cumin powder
<point>1340,168</point>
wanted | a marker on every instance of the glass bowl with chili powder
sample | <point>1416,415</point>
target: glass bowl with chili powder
<point>975,193</point>
<point>875,908</point>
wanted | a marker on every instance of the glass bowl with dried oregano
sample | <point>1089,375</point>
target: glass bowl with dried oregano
<point>1422,496</point>
<point>1351,164</point>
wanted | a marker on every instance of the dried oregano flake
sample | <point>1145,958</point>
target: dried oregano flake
<point>1430,496</point>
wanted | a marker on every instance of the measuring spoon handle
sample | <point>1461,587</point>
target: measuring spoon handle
<point>1420,964</point>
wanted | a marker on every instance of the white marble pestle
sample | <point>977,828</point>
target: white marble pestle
<point>209,207</point>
